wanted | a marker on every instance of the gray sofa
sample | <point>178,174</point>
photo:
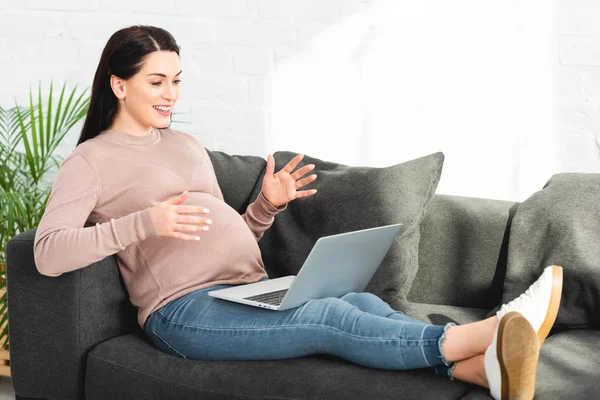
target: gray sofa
<point>76,337</point>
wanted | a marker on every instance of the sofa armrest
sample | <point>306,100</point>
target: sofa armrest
<point>463,251</point>
<point>55,321</point>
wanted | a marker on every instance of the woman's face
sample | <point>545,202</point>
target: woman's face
<point>148,97</point>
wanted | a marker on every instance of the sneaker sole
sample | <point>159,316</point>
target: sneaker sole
<point>554,304</point>
<point>518,351</point>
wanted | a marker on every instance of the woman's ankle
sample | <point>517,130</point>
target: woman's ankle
<point>471,370</point>
<point>469,340</point>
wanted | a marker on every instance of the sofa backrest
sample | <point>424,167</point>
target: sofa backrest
<point>463,252</point>
<point>463,244</point>
<point>237,176</point>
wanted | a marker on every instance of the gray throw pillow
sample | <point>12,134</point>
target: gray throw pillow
<point>560,225</point>
<point>352,198</point>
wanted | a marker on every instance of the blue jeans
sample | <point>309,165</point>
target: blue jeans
<point>359,327</point>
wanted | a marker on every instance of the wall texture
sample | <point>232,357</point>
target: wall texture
<point>239,96</point>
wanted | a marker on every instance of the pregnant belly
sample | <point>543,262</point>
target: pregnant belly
<point>229,241</point>
<point>225,219</point>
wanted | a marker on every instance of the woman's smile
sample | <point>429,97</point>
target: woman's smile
<point>163,110</point>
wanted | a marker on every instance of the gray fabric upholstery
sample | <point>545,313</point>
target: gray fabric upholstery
<point>353,198</point>
<point>560,224</point>
<point>462,252</point>
<point>76,336</point>
<point>54,321</point>
<point>438,314</point>
<point>568,366</point>
<point>128,368</point>
<point>237,176</point>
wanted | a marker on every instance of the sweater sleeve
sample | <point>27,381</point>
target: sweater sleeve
<point>62,243</point>
<point>260,215</point>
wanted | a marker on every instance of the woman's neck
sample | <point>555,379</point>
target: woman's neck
<point>129,125</point>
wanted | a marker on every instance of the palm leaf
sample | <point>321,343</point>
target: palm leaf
<point>59,109</point>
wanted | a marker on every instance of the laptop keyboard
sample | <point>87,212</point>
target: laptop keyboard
<point>274,298</point>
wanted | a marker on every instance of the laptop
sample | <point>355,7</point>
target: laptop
<point>337,264</point>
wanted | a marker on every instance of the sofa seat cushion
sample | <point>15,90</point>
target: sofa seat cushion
<point>568,366</point>
<point>129,367</point>
<point>569,359</point>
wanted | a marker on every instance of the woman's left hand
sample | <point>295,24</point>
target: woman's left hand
<point>280,188</point>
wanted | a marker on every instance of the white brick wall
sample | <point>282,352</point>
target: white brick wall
<point>577,73</point>
<point>324,76</point>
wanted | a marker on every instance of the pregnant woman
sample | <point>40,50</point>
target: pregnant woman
<point>149,194</point>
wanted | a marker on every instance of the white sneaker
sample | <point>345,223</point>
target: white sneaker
<point>511,360</point>
<point>540,303</point>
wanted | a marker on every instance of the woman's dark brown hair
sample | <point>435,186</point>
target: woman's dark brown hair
<point>123,56</point>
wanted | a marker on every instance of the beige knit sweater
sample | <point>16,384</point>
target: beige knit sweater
<point>100,205</point>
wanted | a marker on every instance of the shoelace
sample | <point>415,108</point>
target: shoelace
<point>519,300</point>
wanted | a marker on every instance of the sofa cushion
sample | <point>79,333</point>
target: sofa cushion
<point>353,198</point>
<point>568,366</point>
<point>560,225</point>
<point>237,177</point>
<point>462,252</point>
<point>128,367</point>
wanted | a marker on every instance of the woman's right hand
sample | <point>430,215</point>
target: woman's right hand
<point>169,219</point>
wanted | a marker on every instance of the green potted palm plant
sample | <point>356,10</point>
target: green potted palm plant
<point>39,128</point>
